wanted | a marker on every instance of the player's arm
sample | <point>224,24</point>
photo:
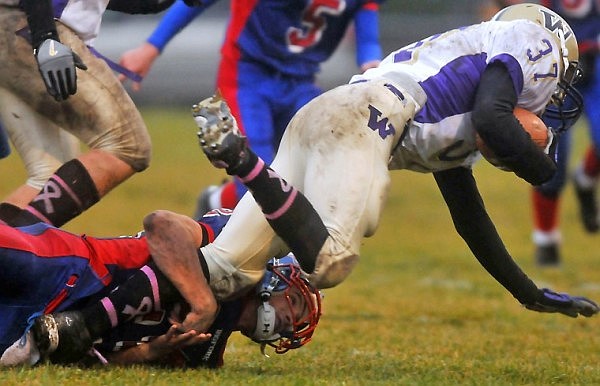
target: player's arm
<point>177,17</point>
<point>173,241</point>
<point>473,224</point>
<point>368,47</point>
<point>496,124</point>
<point>56,61</point>
<point>158,349</point>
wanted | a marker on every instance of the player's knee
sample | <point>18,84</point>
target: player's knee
<point>332,270</point>
<point>139,156</point>
<point>132,146</point>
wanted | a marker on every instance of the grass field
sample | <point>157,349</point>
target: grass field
<point>418,309</point>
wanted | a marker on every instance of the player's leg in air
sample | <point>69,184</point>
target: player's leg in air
<point>324,191</point>
<point>288,212</point>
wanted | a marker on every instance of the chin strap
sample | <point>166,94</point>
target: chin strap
<point>265,321</point>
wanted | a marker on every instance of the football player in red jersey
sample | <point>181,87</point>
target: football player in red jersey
<point>112,289</point>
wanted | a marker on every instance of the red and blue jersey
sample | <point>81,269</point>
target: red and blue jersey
<point>292,37</point>
<point>271,54</point>
<point>44,269</point>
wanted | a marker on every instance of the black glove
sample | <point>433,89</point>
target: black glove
<point>57,63</point>
<point>573,306</point>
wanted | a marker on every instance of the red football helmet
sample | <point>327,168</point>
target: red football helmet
<point>285,276</point>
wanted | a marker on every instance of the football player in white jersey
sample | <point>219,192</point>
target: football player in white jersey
<point>76,98</point>
<point>420,110</point>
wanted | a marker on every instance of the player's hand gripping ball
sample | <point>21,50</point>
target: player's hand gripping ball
<point>533,125</point>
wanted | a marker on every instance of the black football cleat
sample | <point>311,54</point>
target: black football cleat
<point>588,207</point>
<point>218,133</point>
<point>547,255</point>
<point>63,337</point>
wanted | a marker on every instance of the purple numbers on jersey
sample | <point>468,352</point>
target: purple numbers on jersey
<point>406,54</point>
<point>534,57</point>
<point>540,53</point>
<point>380,125</point>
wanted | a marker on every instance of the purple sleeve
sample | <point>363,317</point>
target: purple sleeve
<point>367,36</point>
<point>177,17</point>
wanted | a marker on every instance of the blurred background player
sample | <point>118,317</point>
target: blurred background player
<point>584,18</point>
<point>269,60</point>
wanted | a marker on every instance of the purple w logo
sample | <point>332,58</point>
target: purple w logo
<point>381,125</point>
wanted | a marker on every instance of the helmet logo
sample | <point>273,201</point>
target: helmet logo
<point>554,24</point>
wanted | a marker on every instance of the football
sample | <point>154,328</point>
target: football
<point>531,123</point>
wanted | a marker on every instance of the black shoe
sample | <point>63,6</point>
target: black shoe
<point>588,207</point>
<point>218,134</point>
<point>63,337</point>
<point>547,256</point>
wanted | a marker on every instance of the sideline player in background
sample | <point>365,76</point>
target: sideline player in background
<point>420,110</point>
<point>584,18</point>
<point>271,55</point>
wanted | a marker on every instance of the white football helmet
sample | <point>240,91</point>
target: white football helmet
<point>566,103</point>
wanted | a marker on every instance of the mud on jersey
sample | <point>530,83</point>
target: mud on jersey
<point>448,67</point>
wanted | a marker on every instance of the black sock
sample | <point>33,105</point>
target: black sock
<point>21,217</point>
<point>146,290</point>
<point>8,212</point>
<point>287,210</point>
<point>65,195</point>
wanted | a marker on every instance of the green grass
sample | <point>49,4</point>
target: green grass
<point>418,309</point>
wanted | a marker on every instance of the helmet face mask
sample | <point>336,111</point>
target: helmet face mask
<point>285,279</point>
<point>566,103</point>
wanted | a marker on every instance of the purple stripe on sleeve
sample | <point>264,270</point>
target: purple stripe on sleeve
<point>452,90</point>
<point>59,7</point>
